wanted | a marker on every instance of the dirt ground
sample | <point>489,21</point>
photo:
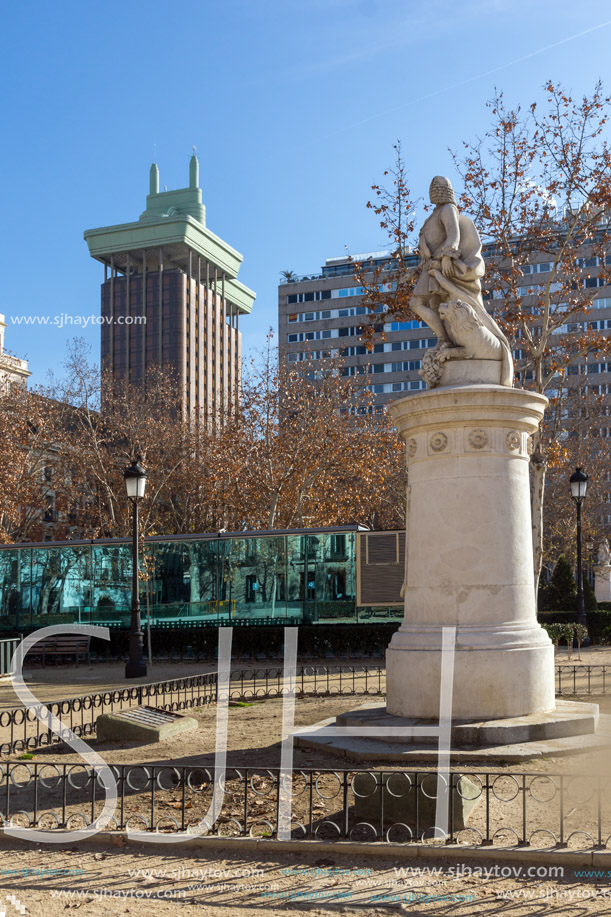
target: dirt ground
<point>253,739</point>
<point>590,655</point>
<point>55,683</point>
<point>159,881</point>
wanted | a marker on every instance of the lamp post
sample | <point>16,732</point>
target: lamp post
<point>590,562</point>
<point>579,486</point>
<point>135,484</point>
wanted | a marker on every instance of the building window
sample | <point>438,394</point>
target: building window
<point>49,515</point>
<point>542,268</point>
<point>403,326</point>
<point>252,587</point>
<point>313,296</point>
<point>338,546</point>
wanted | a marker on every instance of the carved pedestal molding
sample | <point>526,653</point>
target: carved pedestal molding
<point>469,556</point>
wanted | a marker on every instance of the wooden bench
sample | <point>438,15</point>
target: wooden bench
<point>62,645</point>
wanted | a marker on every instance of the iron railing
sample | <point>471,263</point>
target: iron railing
<point>22,730</point>
<point>484,808</point>
<point>582,680</point>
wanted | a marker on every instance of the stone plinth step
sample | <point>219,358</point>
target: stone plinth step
<point>384,749</point>
<point>570,718</point>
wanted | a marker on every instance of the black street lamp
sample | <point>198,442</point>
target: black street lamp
<point>579,486</point>
<point>135,484</point>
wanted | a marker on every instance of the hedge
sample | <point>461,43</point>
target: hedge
<point>320,641</point>
<point>599,622</point>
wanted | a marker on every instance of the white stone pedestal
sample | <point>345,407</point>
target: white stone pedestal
<point>469,556</point>
<point>602,582</point>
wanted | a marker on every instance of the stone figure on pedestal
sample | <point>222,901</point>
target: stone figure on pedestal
<point>469,579</point>
<point>448,296</point>
<point>603,555</point>
<point>469,558</point>
<point>602,572</point>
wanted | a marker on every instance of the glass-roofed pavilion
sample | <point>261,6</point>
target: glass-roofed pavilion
<point>280,577</point>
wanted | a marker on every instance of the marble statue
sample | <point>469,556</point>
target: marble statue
<point>447,294</point>
<point>603,555</point>
<point>602,572</point>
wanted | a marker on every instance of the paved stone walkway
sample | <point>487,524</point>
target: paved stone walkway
<point>57,682</point>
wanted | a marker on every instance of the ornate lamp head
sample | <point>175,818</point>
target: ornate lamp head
<point>441,191</point>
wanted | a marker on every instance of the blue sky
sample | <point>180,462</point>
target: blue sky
<point>293,107</point>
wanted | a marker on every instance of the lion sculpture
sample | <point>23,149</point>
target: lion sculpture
<point>466,338</point>
<point>470,339</point>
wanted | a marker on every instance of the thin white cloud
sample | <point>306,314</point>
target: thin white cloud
<point>471,79</point>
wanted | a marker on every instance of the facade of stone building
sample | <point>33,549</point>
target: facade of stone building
<point>13,370</point>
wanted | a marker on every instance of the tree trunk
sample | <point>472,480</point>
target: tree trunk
<point>271,519</point>
<point>539,466</point>
<point>196,607</point>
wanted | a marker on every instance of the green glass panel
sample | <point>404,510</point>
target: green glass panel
<point>111,592</point>
<point>252,577</point>
<point>296,548</point>
<point>185,581</point>
<point>61,584</point>
<point>258,579</point>
<point>15,588</point>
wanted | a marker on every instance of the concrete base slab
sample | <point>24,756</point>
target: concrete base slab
<point>569,718</point>
<point>575,729</point>
<point>142,724</point>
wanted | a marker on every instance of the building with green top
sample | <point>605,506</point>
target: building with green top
<point>171,298</point>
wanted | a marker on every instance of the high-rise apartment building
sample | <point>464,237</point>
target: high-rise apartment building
<point>322,313</point>
<point>171,298</point>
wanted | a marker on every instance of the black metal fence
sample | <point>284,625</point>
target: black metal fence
<point>484,808</point>
<point>582,680</point>
<point>21,730</point>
